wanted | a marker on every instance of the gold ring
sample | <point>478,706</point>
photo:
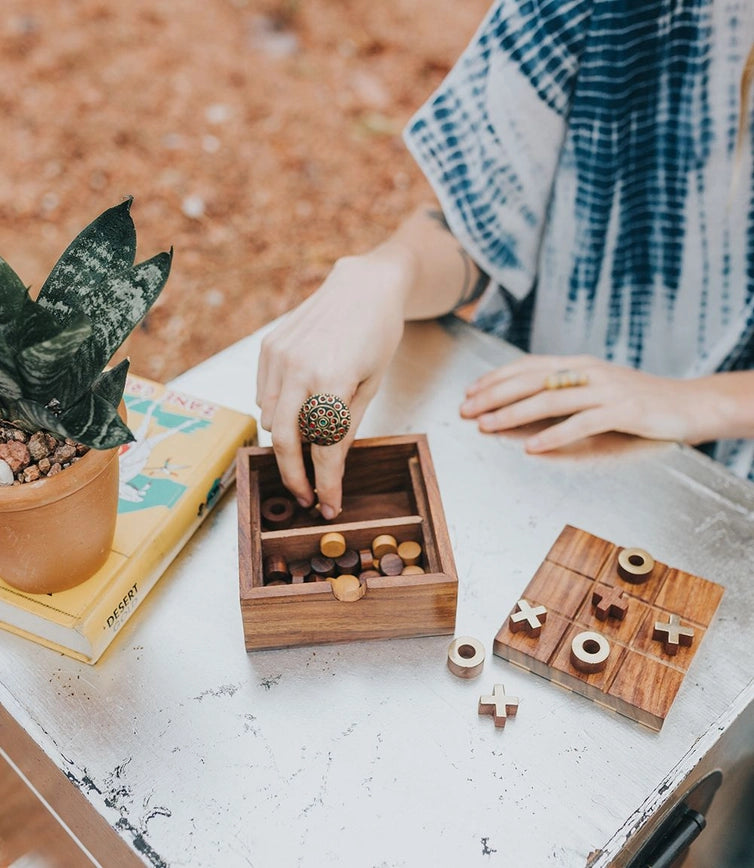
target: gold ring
<point>324,419</point>
<point>565,378</point>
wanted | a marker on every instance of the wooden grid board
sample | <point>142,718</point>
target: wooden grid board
<point>640,679</point>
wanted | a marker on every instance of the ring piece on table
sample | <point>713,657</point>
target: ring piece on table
<point>324,419</point>
<point>566,378</point>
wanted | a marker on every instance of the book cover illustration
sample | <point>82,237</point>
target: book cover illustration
<point>181,462</point>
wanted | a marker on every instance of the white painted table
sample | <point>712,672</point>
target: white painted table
<point>372,753</point>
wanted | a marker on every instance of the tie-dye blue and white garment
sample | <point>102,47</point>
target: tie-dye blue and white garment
<point>583,153</point>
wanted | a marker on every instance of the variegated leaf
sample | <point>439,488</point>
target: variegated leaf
<point>105,247</point>
<point>110,385</point>
<point>12,292</point>
<point>94,421</point>
<point>44,365</point>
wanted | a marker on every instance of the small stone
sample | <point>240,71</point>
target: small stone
<point>15,454</point>
<point>31,473</point>
<point>38,446</point>
<point>55,469</point>
<point>6,474</point>
<point>64,453</point>
<point>44,465</point>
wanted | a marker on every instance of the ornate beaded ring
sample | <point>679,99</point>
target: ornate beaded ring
<point>324,419</point>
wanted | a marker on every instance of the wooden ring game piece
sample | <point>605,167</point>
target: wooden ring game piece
<point>589,651</point>
<point>369,574</point>
<point>322,567</point>
<point>275,569</point>
<point>384,544</point>
<point>348,562</point>
<point>332,544</point>
<point>410,552</point>
<point>635,565</point>
<point>347,589</point>
<point>391,564</point>
<point>466,657</point>
<point>277,512</point>
<point>412,570</point>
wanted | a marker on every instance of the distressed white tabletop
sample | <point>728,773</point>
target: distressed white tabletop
<point>372,753</point>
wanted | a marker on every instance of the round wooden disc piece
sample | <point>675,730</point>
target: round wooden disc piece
<point>391,564</point>
<point>635,565</point>
<point>275,568</point>
<point>367,559</point>
<point>466,657</point>
<point>349,562</point>
<point>332,544</point>
<point>347,588</point>
<point>589,651</point>
<point>277,512</point>
<point>322,567</point>
<point>410,551</point>
<point>384,544</point>
<point>412,570</point>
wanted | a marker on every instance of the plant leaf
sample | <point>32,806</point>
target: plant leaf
<point>44,365</point>
<point>115,311</point>
<point>10,388</point>
<point>12,293</point>
<point>110,385</point>
<point>106,246</point>
<point>33,416</point>
<point>94,421</point>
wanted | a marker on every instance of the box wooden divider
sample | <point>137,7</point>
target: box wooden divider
<point>389,486</point>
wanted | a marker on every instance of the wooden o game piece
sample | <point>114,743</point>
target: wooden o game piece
<point>466,657</point>
<point>527,617</point>
<point>391,564</point>
<point>332,544</point>
<point>322,567</point>
<point>347,589</point>
<point>275,569</point>
<point>635,565</point>
<point>369,574</point>
<point>672,634</point>
<point>275,582</point>
<point>609,603</point>
<point>277,512</point>
<point>384,544</point>
<point>348,562</point>
<point>413,570</point>
<point>410,552</point>
<point>589,651</point>
<point>498,705</point>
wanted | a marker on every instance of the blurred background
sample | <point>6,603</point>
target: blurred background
<point>260,139</point>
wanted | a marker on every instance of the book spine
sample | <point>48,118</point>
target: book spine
<point>139,574</point>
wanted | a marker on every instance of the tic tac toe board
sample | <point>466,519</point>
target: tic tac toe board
<point>640,679</point>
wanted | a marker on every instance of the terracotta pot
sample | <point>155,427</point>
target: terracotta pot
<point>57,532</point>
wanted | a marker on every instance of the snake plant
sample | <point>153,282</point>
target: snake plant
<point>54,350</point>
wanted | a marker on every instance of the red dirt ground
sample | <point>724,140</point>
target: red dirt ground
<point>260,139</point>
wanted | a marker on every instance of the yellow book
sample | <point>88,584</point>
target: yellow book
<point>181,463</point>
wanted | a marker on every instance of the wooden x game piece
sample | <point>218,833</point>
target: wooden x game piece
<point>672,634</point>
<point>609,603</point>
<point>528,617</point>
<point>500,706</point>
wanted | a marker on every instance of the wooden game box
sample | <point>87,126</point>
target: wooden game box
<point>389,487</point>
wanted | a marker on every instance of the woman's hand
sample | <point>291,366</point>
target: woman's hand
<point>339,341</point>
<point>613,398</point>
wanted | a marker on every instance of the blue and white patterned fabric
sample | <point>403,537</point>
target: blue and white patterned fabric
<point>583,153</point>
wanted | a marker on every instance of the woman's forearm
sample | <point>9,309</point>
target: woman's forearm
<point>723,406</point>
<point>439,275</point>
